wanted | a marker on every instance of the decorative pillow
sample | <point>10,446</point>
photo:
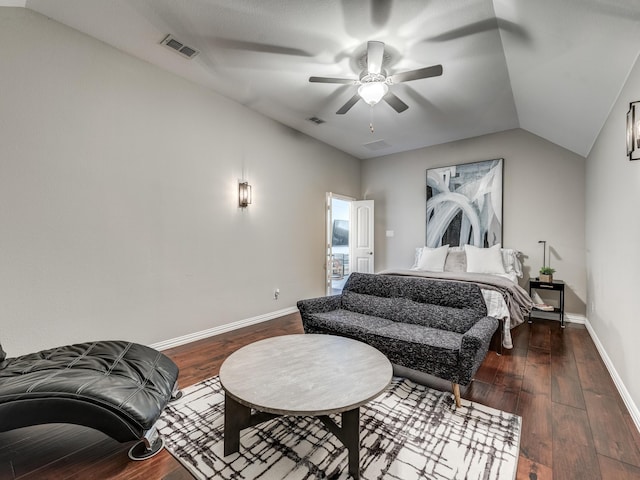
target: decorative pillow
<point>418,252</point>
<point>416,257</point>
<point>511,262</point>
<point>484,260</point>
<point>456,261</point>
<point>432,259</point>
<point>3,355</point>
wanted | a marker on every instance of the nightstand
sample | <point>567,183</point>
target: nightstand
<point>557,286</point>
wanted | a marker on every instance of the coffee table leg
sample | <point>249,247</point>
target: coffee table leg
<point>236,418</point>
<point>351,432</point>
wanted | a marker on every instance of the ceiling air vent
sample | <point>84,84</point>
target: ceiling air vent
<point>170,42</point>
<point>316,120</point>
<point>377,145</point>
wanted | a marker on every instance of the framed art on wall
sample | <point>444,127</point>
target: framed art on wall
<point>464,204</point>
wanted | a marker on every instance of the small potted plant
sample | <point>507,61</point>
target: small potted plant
<point>546,274</point>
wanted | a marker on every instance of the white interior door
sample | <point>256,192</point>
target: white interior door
<point>361,237</point>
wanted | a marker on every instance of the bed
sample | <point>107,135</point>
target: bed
<point>495,270</point>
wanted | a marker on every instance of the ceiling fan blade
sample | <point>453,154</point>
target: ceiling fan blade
<point>375,53</point>
<point>259,47</point>
<point>347,81</point>
<point>426,72</point>
<point>483,26</point>
<point>397,104</point>
<point>347,106</point>
<point>380,12</point>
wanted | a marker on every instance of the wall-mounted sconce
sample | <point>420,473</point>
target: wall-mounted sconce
<point>633,131</point>
<point>244,194</point>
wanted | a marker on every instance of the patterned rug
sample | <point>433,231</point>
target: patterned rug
<point>408,432</point>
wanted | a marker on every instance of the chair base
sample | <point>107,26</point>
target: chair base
<point>140,451</point>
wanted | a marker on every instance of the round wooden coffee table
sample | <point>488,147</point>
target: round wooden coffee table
<point>306,375</point>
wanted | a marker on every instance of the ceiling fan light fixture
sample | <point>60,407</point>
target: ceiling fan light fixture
<point>372,92</point>
<point>374,83</point>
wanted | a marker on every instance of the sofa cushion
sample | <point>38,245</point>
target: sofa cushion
<point>383,307</point>
<point>408,311</point>
<point>422,290</point>
<point>345,322</point>
<point>422,348</point>
<point>404,343</point>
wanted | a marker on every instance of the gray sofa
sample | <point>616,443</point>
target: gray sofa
<point>437,327</point>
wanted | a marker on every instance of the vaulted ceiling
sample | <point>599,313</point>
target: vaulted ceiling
<point>552,67</point>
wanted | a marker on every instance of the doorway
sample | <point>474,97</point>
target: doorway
<point>338,221</point>
<point>349,240</point>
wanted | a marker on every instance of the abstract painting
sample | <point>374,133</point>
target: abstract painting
<point>464,204</point>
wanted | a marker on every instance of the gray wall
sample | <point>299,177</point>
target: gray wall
<point>118,197</point>
<point>612,232</point>
<point>543,200</point>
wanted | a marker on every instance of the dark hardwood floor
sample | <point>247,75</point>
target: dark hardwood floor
<point>575,425</point>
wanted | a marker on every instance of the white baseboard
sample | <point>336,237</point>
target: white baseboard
<point>568,317</point>
<point>227,327</point>
<point>575,318</point>
<point>624,393</point>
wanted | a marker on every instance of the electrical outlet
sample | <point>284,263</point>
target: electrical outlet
<point>276,294</point>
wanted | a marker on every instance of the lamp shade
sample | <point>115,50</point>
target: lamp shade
<point>244,194</point>
<point>372,92</point>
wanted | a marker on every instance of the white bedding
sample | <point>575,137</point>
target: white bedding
<point>497,308</point>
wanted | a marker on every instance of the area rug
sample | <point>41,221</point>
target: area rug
<point>409,432</point>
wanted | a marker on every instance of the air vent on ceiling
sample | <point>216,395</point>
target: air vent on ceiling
<point>316,120</point>
<point>377,145</point>
<point>170,42</point>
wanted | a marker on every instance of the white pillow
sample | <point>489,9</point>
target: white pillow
<point>511,262</point>
<point>416,257</point>
<point>484,260</point>
<point>432,259</point>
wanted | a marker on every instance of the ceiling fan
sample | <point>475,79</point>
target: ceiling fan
<point>374,82</point>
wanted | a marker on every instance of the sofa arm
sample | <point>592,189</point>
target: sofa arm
<point>320,304</point>
<point>474,347</point>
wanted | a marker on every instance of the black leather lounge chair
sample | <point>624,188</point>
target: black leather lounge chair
<point>117,387</point>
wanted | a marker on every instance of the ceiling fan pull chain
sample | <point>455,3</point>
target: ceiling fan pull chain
<point>371,119</point>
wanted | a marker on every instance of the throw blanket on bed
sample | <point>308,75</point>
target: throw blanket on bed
<point>517,299</point>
